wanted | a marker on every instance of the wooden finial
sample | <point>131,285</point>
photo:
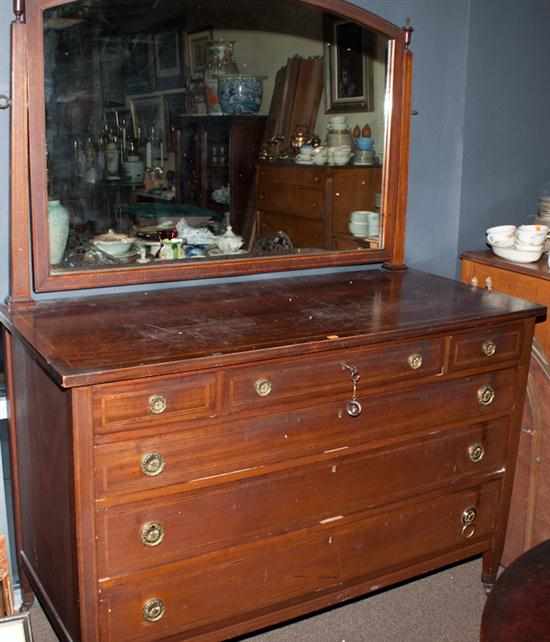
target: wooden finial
<point>408,29</point>
<point>19,10</point>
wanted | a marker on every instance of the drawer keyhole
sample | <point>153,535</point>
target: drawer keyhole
<point>157,404</point>
<point>476,453</point>
<point>263,387</point>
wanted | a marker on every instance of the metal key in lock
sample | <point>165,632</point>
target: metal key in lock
<point>353,407</point>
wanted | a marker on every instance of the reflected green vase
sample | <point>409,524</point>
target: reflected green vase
<point>58,229</point>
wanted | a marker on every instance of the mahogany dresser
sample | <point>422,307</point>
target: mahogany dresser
<point>529,523</point>
<point>197,463</point>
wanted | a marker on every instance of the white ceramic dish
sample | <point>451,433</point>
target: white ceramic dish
<point>518,256</point>
<point>114,244</point>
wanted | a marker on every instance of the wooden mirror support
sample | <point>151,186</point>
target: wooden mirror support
<point>29,261</point>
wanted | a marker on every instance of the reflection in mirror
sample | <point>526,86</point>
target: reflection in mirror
<point>186,130</point>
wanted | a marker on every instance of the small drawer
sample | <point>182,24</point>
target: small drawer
<point>137,536</point>
<point>485,347</point>
<point>212,453</point>
<point>151,402</point>
<point>184,598</point>
<point>271,178</point>
<point>312,378</point>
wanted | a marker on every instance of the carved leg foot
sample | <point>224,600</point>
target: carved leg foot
<point>28,601</point>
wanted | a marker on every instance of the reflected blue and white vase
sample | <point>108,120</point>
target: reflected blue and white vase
<point>240,94</point>
<point>58,230</point>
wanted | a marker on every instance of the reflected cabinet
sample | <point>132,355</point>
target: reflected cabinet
<point>198,463</point>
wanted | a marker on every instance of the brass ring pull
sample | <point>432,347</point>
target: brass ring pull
<point>476,452</point>
<point>469,516</point>
<point>157,404</point>
<point>415,361</point>
<point>263,387</point>
<point>152,534</point>
<point>153,610</point>
<point>486,395</point>
<point>489,348</point>
<point>152,464</point>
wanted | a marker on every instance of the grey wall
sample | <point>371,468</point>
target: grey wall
<point>506,127</point>
<point>478,144</point>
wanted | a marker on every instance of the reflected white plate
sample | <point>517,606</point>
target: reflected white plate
<point>518,256</point>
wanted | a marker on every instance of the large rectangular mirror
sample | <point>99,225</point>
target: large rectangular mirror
<point>180,138</point>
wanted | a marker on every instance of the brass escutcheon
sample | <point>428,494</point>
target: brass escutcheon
<point>263,387</point>
<point>486,395</point>
<point>415,361</point>
<point>476,452</point>
<point>489,348</point>
<point>469,515</point>
<point>152,534</point>
<point>152,464</point>
<point>153,610</point>
<point>468,531</point>
<point>157,404</point>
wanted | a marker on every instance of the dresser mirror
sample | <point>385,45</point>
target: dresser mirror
<point>182,139</point>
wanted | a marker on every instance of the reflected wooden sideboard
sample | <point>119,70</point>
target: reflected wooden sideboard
<point>313,204</point>
<point>530,513</point>
<point>194,464</point>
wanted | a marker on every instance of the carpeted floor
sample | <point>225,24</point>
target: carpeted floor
<point>443,607</point>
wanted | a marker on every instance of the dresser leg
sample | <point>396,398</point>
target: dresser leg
<point>489,571</point>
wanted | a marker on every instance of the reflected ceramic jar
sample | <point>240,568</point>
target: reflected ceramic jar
<point>241,94</point>
<point>58,230</point>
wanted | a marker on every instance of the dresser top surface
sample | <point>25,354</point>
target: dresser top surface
<point>125,336</point>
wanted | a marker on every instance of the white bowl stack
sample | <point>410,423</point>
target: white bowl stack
<point>523,244</point>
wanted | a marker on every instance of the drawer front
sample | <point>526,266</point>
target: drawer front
<point>154,402</point>
<point>224,449</point>
<point>137,536</point>
<point>274,179</point>
<point>277,383</point>
<point>485,347</point>
<point>238,583</point>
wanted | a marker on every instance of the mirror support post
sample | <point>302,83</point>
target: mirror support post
<point>398,255</point>
<point>20,224</point>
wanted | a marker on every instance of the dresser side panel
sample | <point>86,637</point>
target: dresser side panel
<point>45,464</point>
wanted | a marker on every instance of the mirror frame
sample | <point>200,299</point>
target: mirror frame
<point>29,166</point>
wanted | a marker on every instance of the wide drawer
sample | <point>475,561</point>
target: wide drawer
<point>152,402</point>
<point>214,451</point>
<point>274,179</point>
<point>280,382</point>
<point>141,535</point>
<point>238,583</point>
<point>486,347</point>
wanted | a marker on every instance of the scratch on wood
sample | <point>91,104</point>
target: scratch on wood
<point>331,519</point>
<point>335,450</point>
<point>232,472</point>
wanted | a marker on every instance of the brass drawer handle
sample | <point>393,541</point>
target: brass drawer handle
<point>263,387</point>
<point>157,404</point>
<point>469,517</point>
<point>476,453</point>
<point>486,395</point>
<point>489,283</point>
<point>489,348</point>
<point>153,610</point>
<point>152,464</point>
<point>415,361</point>
<point>152,534</point>
<point>353,407</point>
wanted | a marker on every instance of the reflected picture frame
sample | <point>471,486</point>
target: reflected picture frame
<point>167,54</point>
<point>196,51</point>
<point>148,111</point>
<point>349,78</point>
<point>16,628</point>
